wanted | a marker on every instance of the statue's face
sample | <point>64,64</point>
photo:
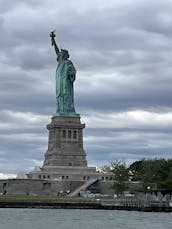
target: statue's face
<point>62,56</point>
<point>65,55</point>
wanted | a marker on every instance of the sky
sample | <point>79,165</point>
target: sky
<point>122,51</point>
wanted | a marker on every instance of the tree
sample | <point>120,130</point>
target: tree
<point>149,171</point>
<point>105,169</point>
<point>121,175</point>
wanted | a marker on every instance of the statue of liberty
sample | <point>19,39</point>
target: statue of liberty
<point>65,77</point>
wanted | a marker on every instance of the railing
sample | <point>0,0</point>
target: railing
<point>134,203</point>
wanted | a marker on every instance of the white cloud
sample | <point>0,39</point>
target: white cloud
<point>7,176</point>
<point>129,119</point>
<point>20,120</point>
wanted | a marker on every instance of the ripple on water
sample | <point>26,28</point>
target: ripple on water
<point>82,219</point>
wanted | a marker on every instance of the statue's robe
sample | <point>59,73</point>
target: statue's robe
<point>65,76</point>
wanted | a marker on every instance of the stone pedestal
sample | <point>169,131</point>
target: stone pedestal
<point>65,144</point>
<point>71,173</point>
<point>65,158</point>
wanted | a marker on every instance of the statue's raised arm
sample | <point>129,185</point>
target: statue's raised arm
<point>53,42</point>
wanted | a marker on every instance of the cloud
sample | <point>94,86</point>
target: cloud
<point>7,176</point>
<point>130,119</point>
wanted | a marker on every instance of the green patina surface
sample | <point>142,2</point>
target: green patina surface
<point>65,77</point>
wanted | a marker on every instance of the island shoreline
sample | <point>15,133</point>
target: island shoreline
<point>54,204</point>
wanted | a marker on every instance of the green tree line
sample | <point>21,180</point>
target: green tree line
<point>147,171</point>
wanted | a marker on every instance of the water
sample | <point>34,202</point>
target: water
<point>82,219</point>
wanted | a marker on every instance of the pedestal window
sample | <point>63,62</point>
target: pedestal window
<point>75,134</point>
<point>69,134</point>
<point>64,133</point>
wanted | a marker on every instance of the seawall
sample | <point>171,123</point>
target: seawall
<point>67,204</point>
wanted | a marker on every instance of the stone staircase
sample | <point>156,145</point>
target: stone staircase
<point>82,187</point>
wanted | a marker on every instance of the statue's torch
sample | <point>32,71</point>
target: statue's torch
<point>52,35</point>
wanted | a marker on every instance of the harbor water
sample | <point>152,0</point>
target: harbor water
<point>11,218</point>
